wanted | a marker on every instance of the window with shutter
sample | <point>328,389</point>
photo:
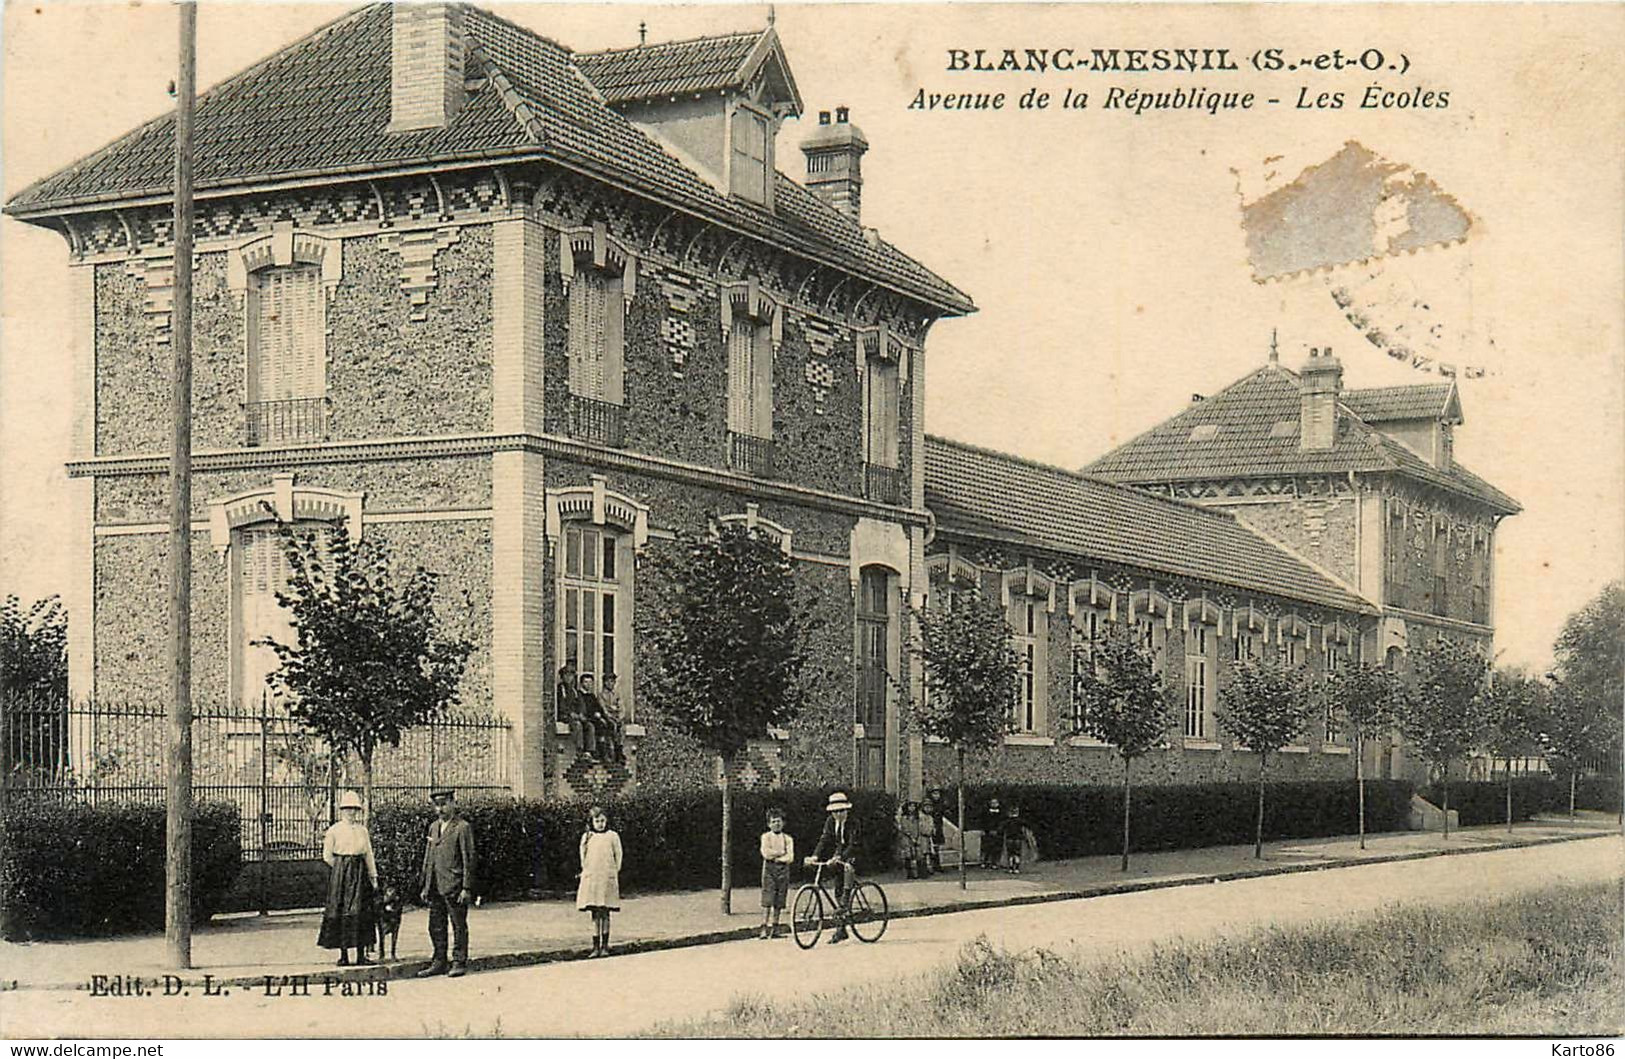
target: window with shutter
<point>262,572</point>
<point>885,397</point>
<point>750,379</point>
<point>597,336</point>
<point>287,377</point>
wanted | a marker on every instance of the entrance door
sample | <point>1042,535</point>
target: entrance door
<point>874,654</point>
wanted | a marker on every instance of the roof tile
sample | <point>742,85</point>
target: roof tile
<point>975,492</point>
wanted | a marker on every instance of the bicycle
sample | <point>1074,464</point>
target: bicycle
<point>867,912</point>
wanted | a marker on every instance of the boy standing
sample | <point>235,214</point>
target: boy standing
<point>778,853</point>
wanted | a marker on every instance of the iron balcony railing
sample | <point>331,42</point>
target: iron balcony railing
<point>750,454</point>
<point>882,484</point>
<point>293,419</point>
<point>593,420</point>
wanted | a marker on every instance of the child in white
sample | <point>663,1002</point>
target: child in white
<point>600,889</point>
<point>778,853</point>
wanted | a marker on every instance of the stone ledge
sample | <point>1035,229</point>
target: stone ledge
<point>1202,744</point>
<point>1028,739</point>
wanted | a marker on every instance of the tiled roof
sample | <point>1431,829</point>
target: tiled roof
<point>1254,433</point>
<point>976,492</point>
<point>320,108</point>
<point>1384,404</point>
<point>708,64</point>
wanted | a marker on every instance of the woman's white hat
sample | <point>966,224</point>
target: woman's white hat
<point>837,802</point>
<point>350,800</point>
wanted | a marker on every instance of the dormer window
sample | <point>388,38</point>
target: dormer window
<point>750,155</point>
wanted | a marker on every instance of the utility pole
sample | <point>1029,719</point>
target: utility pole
<point>178,827</point>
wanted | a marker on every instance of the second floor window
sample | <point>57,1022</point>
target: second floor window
<point>597,336</point>
<point>881,417</point>
<point>287,370</point>
<point>750,378</point>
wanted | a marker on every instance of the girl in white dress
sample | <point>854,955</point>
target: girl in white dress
<point>600,888</point>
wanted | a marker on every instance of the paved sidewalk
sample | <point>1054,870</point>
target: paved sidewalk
<point>246,949</point>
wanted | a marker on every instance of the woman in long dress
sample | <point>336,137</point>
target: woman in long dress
<point>600,888</point>
<point>348,921</point>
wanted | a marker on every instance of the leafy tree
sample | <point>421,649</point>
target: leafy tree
<point>1516,710</point>
<point>370,659</point>
<point>34,675</point>
<point>1124,703</point>
<point>1365,699</point>
<point>1591,665</point>
<point>729,637</point>
<point>972,675</point>
<point>1444,710</point>
<point>1578,728</point>
<point>1591,649</point>
<point>34,650</point>
<point>1265,707</point>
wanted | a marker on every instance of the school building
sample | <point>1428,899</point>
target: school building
<point>525,312</point>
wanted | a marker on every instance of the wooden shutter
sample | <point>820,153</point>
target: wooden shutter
<point>761,369</point>
<point>740,347</point>
<point>587,335</point>
<point>884,402</point>
<point>287,332</point>
<point>749,161</point>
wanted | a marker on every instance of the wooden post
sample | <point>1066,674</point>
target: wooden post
<point>178,828</point>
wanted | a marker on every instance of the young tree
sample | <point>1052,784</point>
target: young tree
<point>1591,665</point>
<point>729,638</point>
<point>972,676</point>
<point>1444,710</point>
<point>34,683</point>
<point>34,650</point>
<point>1577,729</point>
<point>1515,715</point>
<point>1124,703</point>
<point>370,659</point>
<point>1265,707</point>
<point>1365,699</point>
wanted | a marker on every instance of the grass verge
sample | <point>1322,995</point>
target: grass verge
<point>1541,964</point>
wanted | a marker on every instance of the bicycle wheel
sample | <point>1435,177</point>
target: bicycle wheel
<point>807,916</point>
<point>869,912</point>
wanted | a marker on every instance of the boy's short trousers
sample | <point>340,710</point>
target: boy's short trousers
<point>775,884</point>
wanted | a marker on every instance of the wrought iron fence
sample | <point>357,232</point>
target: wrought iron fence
<point>883,484</point>
<point>750,454</point>
<point>294,419</point>
<point>596,421</point>
<point>284,780</point>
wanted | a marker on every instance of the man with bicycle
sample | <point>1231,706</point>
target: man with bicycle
<point>837,847</point>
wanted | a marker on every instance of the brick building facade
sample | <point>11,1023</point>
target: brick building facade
<point>526,313</point>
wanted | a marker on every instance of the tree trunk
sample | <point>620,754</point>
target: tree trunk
<point>1125,813</point>
<point>1444,783</point>
<point>727,833</point>
<point>1359,779</point>
<point>1258,837</point>
<point>1573,772</point>
<point>1509,792</point>
<point>963,884</point>
<point>366,785</point>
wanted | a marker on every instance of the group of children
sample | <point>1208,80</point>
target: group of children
<point>922,836</point>
<point>920,827</point>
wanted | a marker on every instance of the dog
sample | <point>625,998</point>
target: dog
<point>389,920</point>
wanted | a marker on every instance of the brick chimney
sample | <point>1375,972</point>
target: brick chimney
<point>426,65</point>
<point>835,162</point>
<point>1319,384</point>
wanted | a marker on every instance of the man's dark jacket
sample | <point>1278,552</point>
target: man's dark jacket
<point>831,844</point>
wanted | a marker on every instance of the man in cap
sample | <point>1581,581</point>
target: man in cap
<point>448,884</point>
<point>838,846</point>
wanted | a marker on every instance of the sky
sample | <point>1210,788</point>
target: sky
<point>1104,249</point>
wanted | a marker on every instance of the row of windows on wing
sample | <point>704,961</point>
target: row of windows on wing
<point>1027,616</point>
<point>287,383</point>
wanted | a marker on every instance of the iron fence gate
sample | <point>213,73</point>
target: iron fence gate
<point>283,780</point>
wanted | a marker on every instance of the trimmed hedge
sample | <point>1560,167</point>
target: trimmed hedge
<point>1601,793</point>
<point>669,841</point>
<point>1485,801</point>
<point>76,870</point>
<point>1088,821</point>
